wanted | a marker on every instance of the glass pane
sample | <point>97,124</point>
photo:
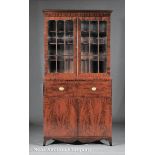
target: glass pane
<point>68,65</point>
<point>85,26</point>
<point>52,49</point>
<point>94,26</point>
<point>102,62</point>
<point>93,34</point>
<point>60,25</point>
<point>102,26</point>
<point>102,57</point>
<point>94,40</point>
<point>94,66</point>
<point>60,34</point>
<point>102,66</point>
<point>51,34</point>
<point>51,25</point>
<point>60,40</point>
<point>65,64</point>
<point>102,40</point>
<point>84,33</point>
<point>51,40</point>
<point>69,26</point>
<point>60,64</point>
<point>52,66</point>
<point>94,49</point>
<point>52,37</point>
<point>69,40</point>
<point>60,49</point>
<point>69,34</point>
<point>52,58</point>
<point>102,48</point>
<point>84,40</point>
<point>84,49</point>
<point>69,49</point>
<point>102,34</point>
<point>52,63</point>
<point>85,64</point>
<point>102,29</point>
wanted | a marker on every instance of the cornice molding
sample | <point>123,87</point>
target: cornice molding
<point>74,13</point>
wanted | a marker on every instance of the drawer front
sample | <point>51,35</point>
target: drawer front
<point>78,88</point>
<point>56,88</point>
<point>94,89</point>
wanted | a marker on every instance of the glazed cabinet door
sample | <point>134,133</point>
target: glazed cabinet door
<point>60,46</point>
<point>60,117</point>
<point>95,118</point>
<point>93,45</point>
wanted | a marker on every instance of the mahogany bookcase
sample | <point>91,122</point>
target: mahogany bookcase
<point>77,91</point>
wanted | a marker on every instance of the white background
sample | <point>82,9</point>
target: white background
<point>140,77</point>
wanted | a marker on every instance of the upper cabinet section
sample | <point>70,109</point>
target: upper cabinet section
<point>77,44</point>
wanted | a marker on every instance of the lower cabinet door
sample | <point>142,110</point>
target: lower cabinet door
<point>60,118</point>
<point>95,118</point>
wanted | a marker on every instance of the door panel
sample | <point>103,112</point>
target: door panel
<point>95,117</point>
<point>60,117</point>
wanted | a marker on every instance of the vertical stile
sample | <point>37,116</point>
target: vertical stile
<point>89,48</point>
<point>56,45</point>
<point>64,46</point>
<point>77,46</point>
<point>98,45</point>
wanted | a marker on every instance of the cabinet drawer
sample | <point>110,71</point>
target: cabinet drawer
<point>56,88</point>
<point>94,89</point>
<point>78,88</point>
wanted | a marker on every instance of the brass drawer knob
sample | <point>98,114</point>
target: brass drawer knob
<point>61,88</point>
<point>93,88</point>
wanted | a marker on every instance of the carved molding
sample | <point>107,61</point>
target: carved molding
<point>77,13</point>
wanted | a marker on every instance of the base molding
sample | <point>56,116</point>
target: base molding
<point>83,139</point>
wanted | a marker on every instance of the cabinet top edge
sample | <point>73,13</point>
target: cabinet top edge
<point>80,11</point>
<point>77,13</point>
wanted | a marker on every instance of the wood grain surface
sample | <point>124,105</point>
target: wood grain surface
<point>60,118</point>
<point>94,117</point>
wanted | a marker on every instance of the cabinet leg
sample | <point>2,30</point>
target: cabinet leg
<point>110,142</point>
<point>44,142</point>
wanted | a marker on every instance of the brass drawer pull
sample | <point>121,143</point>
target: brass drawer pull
<point>61,88</point>
<point>93,88</point>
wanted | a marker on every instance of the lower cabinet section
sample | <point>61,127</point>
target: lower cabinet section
<point>85,119</point>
